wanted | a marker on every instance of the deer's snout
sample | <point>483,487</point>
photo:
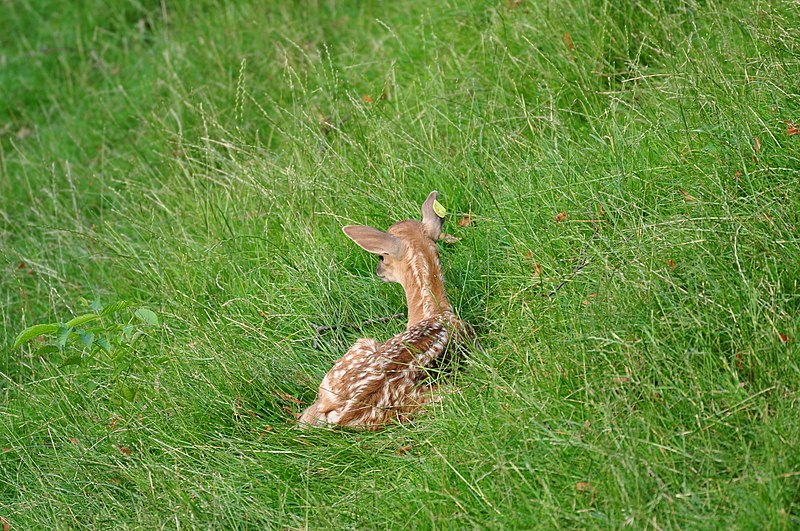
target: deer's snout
<point>380,272</point>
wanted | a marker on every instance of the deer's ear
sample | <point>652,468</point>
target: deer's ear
<point>432,222</point>
<point>374,240</point>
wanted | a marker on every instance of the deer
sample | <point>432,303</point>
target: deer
<point>376,384</point>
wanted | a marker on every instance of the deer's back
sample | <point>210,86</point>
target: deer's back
<point>381,382</point>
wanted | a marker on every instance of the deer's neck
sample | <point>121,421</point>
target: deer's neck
<point>424,287</point>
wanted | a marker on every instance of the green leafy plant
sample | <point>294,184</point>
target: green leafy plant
<point>112,333</point>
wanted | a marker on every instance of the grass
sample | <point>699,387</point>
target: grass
<point>201,157</point>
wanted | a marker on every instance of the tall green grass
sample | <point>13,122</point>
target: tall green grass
<point>200,158</point>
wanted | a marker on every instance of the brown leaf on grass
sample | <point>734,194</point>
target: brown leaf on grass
<point>366,98</point>
<point>791,129</point>
<point>537,267</point>
<point>328,124</point>
<point>601,212</point>
<point>584,486</point>
<point>739,360</point>
<point>22,265</point>
<point>620,379</point>
<point>756,144</point>
<point>265,431</point>
<point>288,397</point>
<point>686,195</point>
<point>324,123</point>
<point>24,133</point>
<point>588,299</point>
<point>561,216</point>
<point>671,263</point>
<point>124,450</point>
<point>404,449</point>
<point>5,523</point>
<point>74,441</point>
<point>466,221</point>
<point>449,238</point>
<point>784,338</point>
<point>738,175</point>
<point>568,41</point>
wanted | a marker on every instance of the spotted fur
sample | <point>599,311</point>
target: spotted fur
<point>374,384</point>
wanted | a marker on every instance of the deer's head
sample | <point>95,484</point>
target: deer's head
<point>406,245</point>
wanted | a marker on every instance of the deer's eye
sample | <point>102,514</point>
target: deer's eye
<point>380,258</point>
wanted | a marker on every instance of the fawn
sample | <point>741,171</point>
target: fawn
<point>374,383</point>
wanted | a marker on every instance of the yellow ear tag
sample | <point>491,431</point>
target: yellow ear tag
<point>439,209</point>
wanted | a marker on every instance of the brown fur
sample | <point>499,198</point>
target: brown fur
<point>374,384</point>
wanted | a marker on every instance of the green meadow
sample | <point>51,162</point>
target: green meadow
<point>621,181</point>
